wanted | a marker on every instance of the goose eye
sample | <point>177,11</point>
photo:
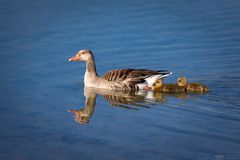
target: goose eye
<point>83,52</point>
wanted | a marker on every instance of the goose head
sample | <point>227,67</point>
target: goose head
<point>182,81</point>
<point>82,55</point>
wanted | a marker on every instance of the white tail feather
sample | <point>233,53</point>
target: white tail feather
<point>152,79</point>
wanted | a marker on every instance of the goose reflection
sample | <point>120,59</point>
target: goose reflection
<point>133,100</point>
<point>83,115</point>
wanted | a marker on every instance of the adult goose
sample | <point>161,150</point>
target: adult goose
<point>121,79</point>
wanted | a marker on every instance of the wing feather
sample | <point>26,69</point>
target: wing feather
<point>133,75</point>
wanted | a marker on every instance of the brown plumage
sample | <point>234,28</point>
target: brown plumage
<point>137,75</point>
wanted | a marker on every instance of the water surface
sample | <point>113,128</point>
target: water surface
<point>197,39</point>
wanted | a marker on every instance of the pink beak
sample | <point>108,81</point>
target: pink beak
<point>74,58</point>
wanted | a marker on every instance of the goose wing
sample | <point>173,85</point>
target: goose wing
<point>134,75</point>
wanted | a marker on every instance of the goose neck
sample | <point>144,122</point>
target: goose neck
<point>91,70</point>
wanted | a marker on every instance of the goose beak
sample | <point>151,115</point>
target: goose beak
<point>74,58</point>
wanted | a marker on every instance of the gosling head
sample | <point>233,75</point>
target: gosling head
<point>182,81</point>
<point>82,55</point>
<point>158,84</point>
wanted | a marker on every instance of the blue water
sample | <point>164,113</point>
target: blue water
<point>197,39</point>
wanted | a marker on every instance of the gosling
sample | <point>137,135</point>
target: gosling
<point>167,88</point>
<point>192,87</point>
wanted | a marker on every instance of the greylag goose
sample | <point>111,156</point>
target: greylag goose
<point>192,87</point>
<point>122,79</point>
<point>167,88</point>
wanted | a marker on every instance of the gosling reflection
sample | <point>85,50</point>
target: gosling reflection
<point>123,99</point>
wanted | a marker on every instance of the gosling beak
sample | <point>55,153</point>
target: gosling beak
<point>74,58</point>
